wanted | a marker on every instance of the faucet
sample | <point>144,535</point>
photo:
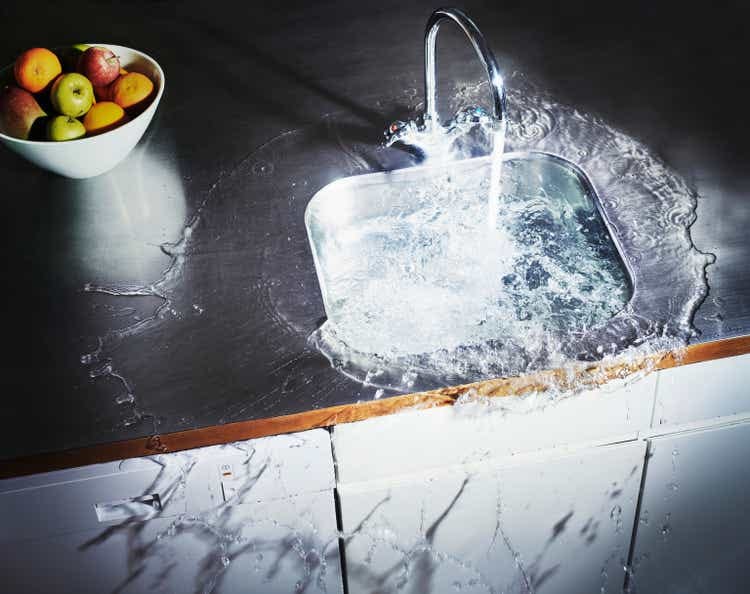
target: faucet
<point>399,129</point>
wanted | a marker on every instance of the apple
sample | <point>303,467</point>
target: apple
<point>63,127</point>
<point>72,94</point>
<point>100,65</point>
<point>102,93</point>
<point>18,112</point>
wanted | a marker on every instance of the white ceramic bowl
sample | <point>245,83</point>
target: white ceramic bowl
<point>87,157</point>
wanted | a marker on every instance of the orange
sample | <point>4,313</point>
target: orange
<point>104,93</point>
<point>103,117</point>
<point>36,68</point>
<point>131,89</point>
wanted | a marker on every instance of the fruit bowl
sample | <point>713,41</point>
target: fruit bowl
<point>91,156</point>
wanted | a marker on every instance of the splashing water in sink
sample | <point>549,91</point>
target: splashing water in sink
<point>442,145</point>
<point>547,281</point>
<point>420,271</point>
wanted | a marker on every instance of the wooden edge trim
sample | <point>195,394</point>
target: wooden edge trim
<point>591,375</point>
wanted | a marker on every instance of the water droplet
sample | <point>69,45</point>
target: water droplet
<point>130,421</point>
<point>125,399</point>
<point>616,516</point>
<point>665,529</point>
<point>262,168</point>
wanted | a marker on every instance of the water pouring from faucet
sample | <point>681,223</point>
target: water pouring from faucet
<point>430,134</point>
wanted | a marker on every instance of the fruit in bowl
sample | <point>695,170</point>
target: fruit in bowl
<point>100,65</point>
<point>36,68</point>
<point>85,117</point>
<point>131,90</point>
<point>72,95</point>
<point>103,117</point>
<point>65,128</point>
<point>18,111</point>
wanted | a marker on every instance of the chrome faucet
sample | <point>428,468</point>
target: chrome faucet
<point>398,129</point>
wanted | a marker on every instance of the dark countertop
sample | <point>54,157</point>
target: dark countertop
<point>262,107</point>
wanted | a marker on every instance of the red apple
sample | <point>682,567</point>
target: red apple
<point>100,65</point>
<point>102,93</point>
<point>18,112</point>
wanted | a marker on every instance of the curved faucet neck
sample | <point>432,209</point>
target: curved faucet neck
<point>484,53</point>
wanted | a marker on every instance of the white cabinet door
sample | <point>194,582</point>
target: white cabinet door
<point>703,391</point>
<point>556,525</point>
<point>255,516</point>
<point>692,536</point>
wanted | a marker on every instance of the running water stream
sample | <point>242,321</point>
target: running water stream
<point>496,176</point>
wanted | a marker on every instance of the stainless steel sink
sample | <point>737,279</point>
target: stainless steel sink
<point>363,228</point>
<point>419,279</point>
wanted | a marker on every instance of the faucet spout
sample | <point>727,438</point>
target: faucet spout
<point>497,86</point>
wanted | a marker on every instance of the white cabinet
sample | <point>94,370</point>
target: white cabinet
<point>703,391</point>
<point>253,516</point>
<point>692,536</point>
<point>513,495</point>
<point>558,525</point>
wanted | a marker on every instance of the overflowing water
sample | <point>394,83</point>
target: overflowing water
<point>419,270</point>
<point>259,206</point>
<point>421,293</point>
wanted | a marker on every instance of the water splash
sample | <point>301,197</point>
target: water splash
<point>165,290</point>
<point>268,191</point>
<point>649,209</point>
<point>230,532</point>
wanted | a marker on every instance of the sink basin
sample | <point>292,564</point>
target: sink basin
<point>408,264</point>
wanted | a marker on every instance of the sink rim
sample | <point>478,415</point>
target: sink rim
<point>615,329</point>
<point>588,186</point>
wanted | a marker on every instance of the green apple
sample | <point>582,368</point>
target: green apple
<point>63,127</point>
<point>72,94</point>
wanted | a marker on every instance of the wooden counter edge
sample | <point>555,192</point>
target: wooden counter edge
<point>590,375</point>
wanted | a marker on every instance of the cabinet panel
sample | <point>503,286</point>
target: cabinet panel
<point>694,522</point>
<point>703,391</point>
<point>253,516</point>
<point>271,547</point>
<point>561,525</point>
